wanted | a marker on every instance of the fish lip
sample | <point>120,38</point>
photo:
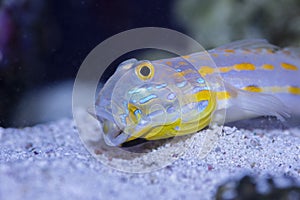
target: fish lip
<point>115,136</point>
<point>116,141</point>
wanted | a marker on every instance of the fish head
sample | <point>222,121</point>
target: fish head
<point>144,99</point>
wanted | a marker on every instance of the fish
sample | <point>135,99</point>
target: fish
<point>153,100</point>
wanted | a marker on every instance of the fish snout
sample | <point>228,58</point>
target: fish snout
<point>113,135</point>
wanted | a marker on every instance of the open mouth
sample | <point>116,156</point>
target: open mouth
<point>113,135</point>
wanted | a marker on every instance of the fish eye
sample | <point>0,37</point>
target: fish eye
<point>145,71</point>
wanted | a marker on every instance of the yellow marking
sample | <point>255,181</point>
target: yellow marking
<point>253,88</point>
<point>105,128</point>
<point>288,66</point>
<point>276,89</point>
<point>294,90</point>
<point>267,67</point>
<point>132,108</point>
<point>225,69</point>
<point>169,63</point>
<point>215,55</point>
<point>223,95</point>
<point>165,131</point>
<point>229,50</point>
<point>186,57</point>
<point>182,63</point>
<point>202,95</point>
<point>244,66</point>
<point>204,70</point>
<point>270,51</point>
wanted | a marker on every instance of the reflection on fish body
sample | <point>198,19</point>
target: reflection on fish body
<point>177,96</point>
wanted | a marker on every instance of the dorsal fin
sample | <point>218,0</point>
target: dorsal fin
<point>249,44</point>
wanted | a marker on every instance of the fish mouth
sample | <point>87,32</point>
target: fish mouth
<point>112,134</point>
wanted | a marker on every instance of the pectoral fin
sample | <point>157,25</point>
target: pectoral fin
<point>246,105</point>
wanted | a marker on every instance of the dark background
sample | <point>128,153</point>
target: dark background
<point>43,42</point>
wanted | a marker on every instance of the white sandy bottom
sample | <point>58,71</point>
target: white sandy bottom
<point>51,159</point>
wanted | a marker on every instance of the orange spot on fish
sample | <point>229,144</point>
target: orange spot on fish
<point>215,55</point>
<point>288,66</point>
<point>169,63</point>
<point>204,70</point>
<point>225,69</point>
<point>244,66</point>
<point>186,57</point>
<point>253,88</point>
<point>267,67</point>
<point>270,51</point>
<point>182,63</point>
<point>229,50</point>
<point>294,90</point>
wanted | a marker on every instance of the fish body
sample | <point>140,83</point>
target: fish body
<point>178,96</point>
